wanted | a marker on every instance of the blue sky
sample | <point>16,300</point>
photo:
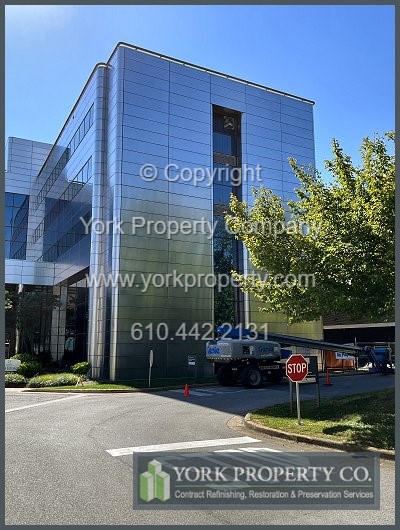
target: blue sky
<point>342,57</point>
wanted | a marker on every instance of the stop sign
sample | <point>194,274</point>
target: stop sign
<point>296,368</point>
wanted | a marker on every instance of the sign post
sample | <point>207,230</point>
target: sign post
<point>296,371</point>
<point>151,359</point>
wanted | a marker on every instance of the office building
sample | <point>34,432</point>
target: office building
<point>140,110</point>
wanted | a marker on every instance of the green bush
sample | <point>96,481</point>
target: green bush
<point>14,379</point>
<point>26,357</point>
<point>81,368</point>
<point>47,380</point>
<point>29,368</point>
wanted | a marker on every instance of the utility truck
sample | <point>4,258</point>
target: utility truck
<point>240,355</point>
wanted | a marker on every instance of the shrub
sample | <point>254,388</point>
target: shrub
<point>14,379</point>
<point>26,357</point>
<point>29,368</point>
<point>45,358</point>
<point>47,380</point>
<point>81,368</point>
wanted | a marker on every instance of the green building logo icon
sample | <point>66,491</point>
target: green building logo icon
<point>154,483</point>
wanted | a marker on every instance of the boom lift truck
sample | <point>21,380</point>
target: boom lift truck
<point>250,358</point>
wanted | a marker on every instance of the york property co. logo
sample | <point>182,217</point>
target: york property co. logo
<point>154,483</point>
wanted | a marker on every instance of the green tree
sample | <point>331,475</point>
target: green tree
<point>341,232</point>
<point>25,314</point>
<point>7,301</point>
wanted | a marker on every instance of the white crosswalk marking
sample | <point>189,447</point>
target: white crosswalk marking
<point>248,450</point>
<point>209,392</point>
<point>178,446</point>
<point>42,403</point>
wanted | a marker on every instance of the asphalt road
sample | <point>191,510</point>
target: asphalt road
<point>63,465</point>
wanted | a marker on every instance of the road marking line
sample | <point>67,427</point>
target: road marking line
<point>248,450</point>
<point>227,451</point>
<point>177,446</point>
<point>194,393</point>
<point>257,449</point>
<point>45,403</point>
<point>208,393</point>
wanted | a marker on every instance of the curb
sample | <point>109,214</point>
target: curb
<point>384,453</point>
<point>81,390</point>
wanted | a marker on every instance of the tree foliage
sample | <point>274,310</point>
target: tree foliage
<point>25,311</point>
<point>341,232</point>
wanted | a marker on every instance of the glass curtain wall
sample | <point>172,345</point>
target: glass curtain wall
<point>16,225</point>
<point>228,252</point>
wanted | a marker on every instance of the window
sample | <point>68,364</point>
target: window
<point>227,251</point>
<point>69,151</point>
<point>16,225</point>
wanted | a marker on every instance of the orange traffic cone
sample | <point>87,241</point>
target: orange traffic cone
<point>186,392</point>
<point>328,379</point>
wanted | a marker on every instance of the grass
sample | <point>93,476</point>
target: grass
<point>362,419</point>
<point>92,386</point>
<point>86,388</point>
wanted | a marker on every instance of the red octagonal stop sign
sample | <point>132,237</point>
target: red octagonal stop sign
<point>296,368</point>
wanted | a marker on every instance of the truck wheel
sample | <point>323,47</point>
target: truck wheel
<point>251,377</point>
<point>226,376</point>
<point>275,376</point>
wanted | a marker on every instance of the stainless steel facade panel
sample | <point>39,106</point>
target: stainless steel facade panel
<point>263,132</point>
<point>191,135</point>
<point>135,180</point>
<point>144,90</point>
<point>263,94</point>
<point>298,122</point>
<point>227,84</point>
<point>217,90</point>
<point>202,246</point>
<point>296,103</point>
<point>270,115</point>
<point>144,113</point>
<point>259,121</point>
<point>159,72</point>
<point>263,152</point>
<point>130,133</point>
<point>185,123</point>
<point>266,172</point>
<point>290,139</point>
<point>192,92</point>
<point>297,131</point>
<point>190,103</point>
<point>195,202</point>
<point>296,150</point>
<point>289,176</point>
<point>135,157</point>
<point>188,81</point>
<point>144,194</point>
<point>264,162</point>
<point>190,114</point>
<point>190,190</point>
<point>291,112</point>
<point>190,72</point>
<point>143,124</point>
<point>261,141</point>
<point>146,147</point>
<point>262,107</point>
<point>131,76</point>
<point>189,145</point>
<point>177,156</point>
<point>232,104</point>
<point>142,242</point>
<point>145,102</point>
